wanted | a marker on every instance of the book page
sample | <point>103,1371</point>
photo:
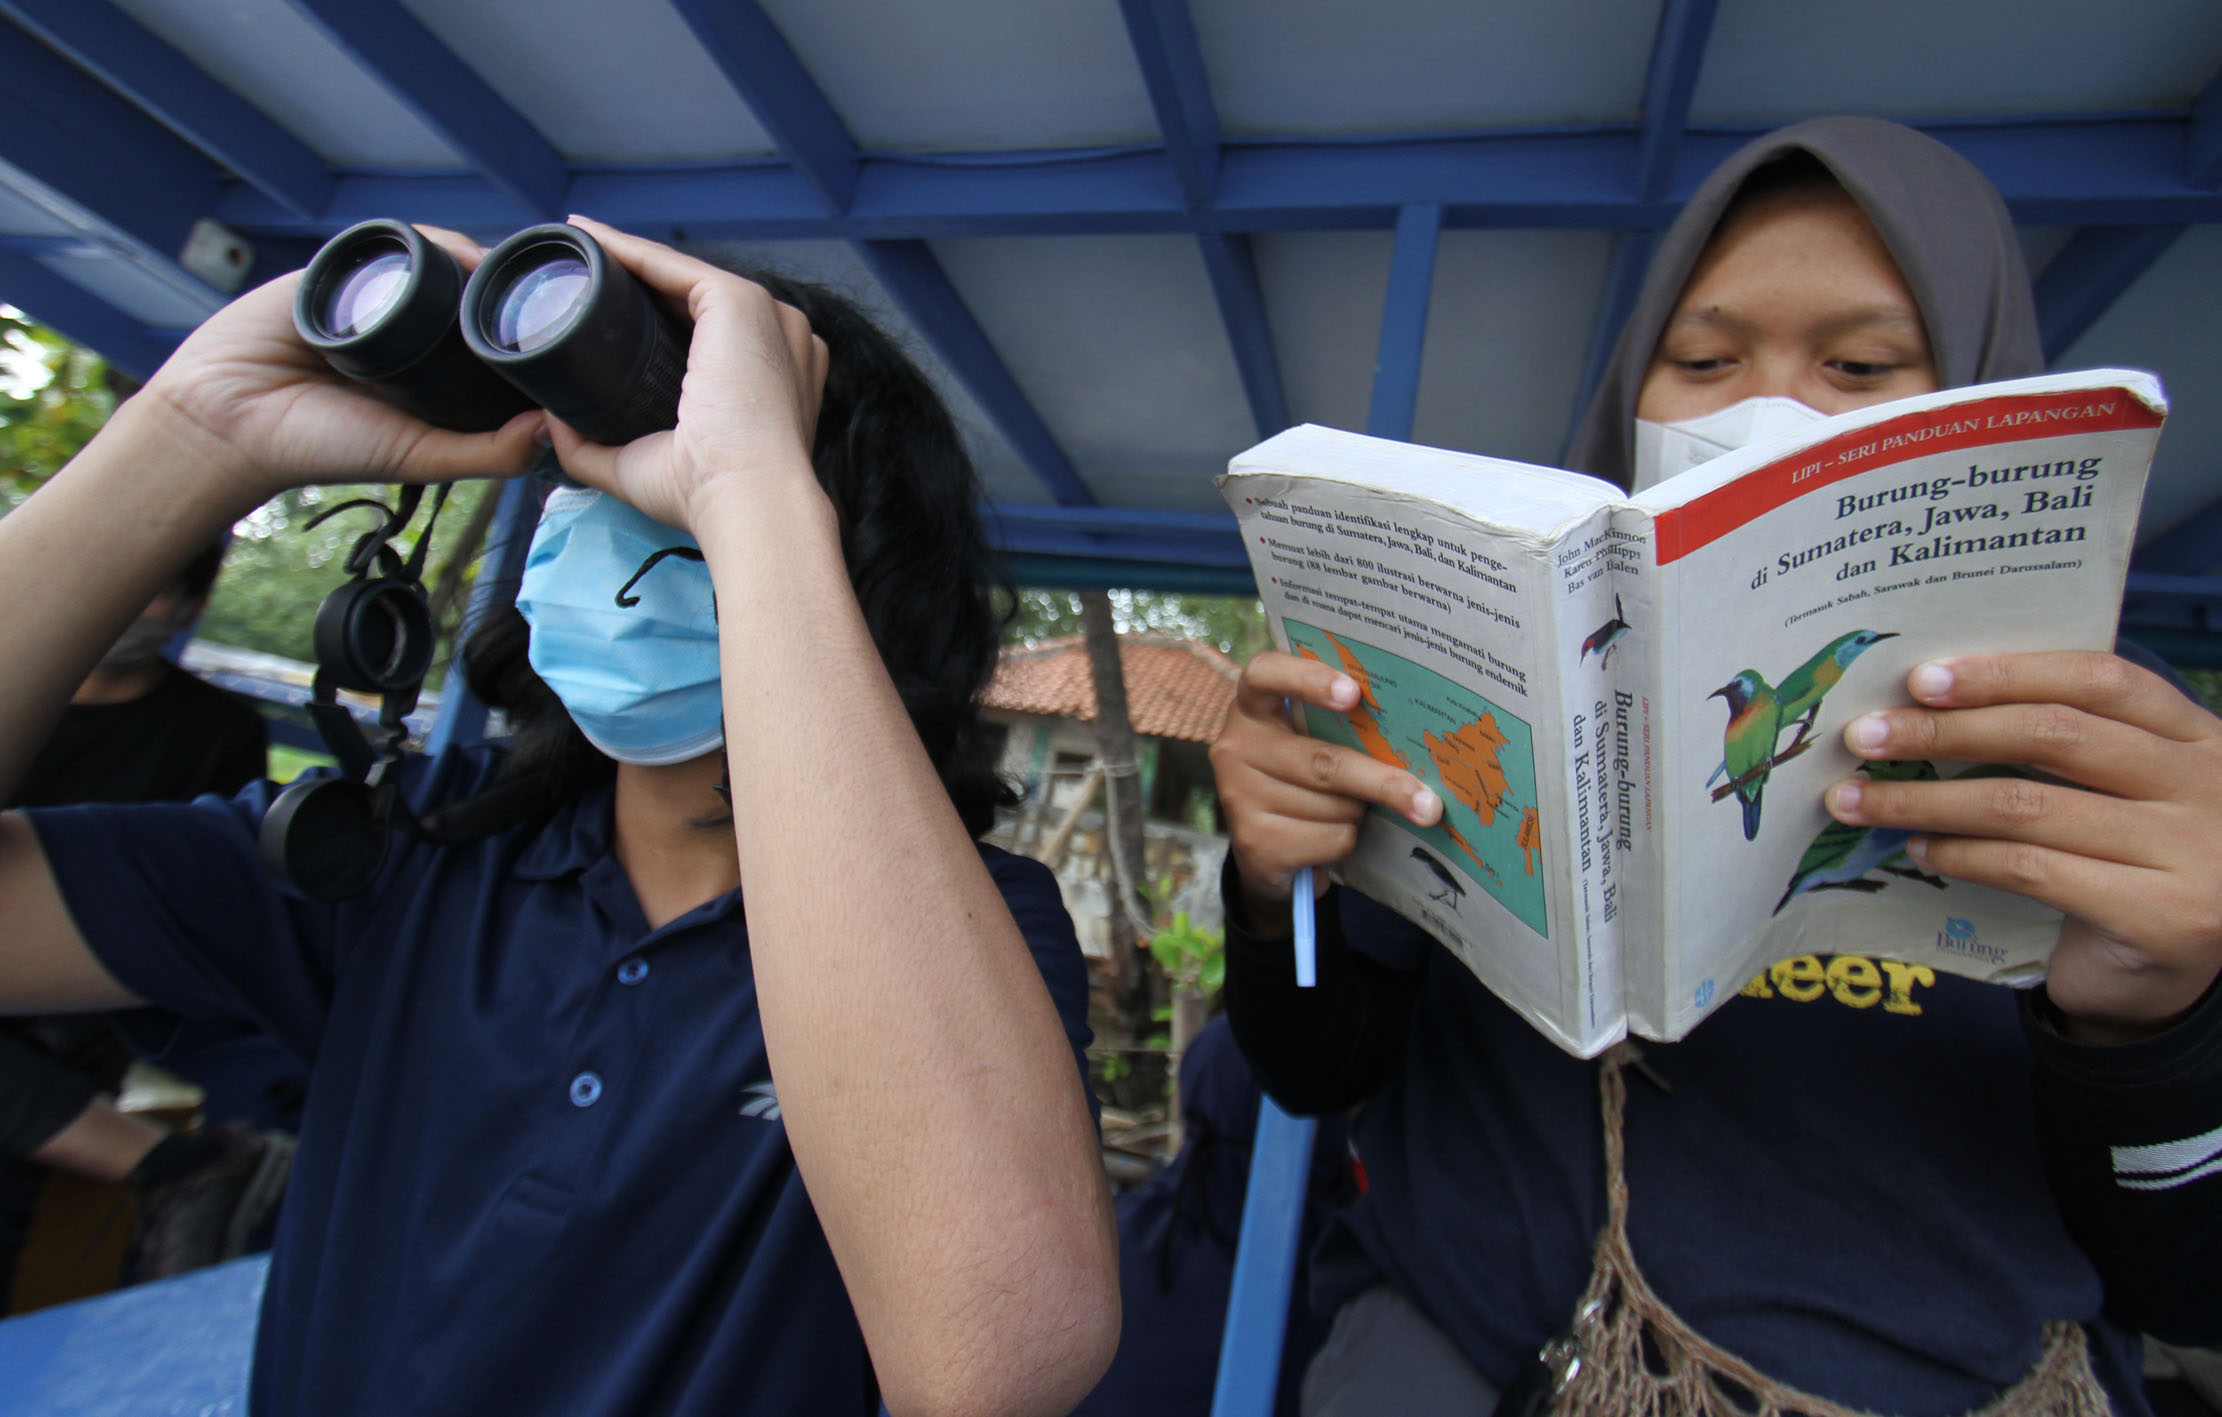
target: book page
<point>1803,589</point>
<point>1445,623</point>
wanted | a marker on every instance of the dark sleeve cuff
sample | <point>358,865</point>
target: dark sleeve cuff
<point>2187,1052</point>
<point>1325,1048</point>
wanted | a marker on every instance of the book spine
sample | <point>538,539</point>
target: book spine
<point>1590,635</point>
<point>1639,734</point>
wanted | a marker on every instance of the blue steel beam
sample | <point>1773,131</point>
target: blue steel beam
<point>56,300</point>
<point>2089,274</point>
<point>1119,533</point>
<point>1164,38</point>
<point>1677,57</point>
<point>910,273</point>
<point>99,166</point>
<point>762,67</point>
<point>143,68</point>
<point>2191,547</point>
<point>411,63</point>
<point>1396,365</point>
<point>2064,172</point>
<point>1631,260</point>
<point>2202,165</point>
<point>1233,269</point>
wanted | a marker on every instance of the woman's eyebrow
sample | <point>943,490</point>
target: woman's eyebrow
<point>1711,317</point>
<point>1889,318</point>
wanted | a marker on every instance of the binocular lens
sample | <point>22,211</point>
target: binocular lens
<point>540,303</point>
<point>361,295</point>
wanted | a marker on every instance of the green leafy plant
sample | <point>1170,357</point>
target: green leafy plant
<point>1194,959</point>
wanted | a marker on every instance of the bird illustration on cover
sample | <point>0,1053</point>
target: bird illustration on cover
<point>1842,856</point>
<point>1758,712</point>
<point>1845,857</point>
<point>1802,689</point>
<point>1748,748</point>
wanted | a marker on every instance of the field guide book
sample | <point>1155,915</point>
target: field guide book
<point>1631,706</point>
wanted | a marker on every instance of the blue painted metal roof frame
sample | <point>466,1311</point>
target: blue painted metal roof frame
<point>128,142</point>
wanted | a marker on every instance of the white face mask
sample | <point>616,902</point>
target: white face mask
<point>1664,450</point>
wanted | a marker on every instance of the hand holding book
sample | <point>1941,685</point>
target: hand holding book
<point>1292,801</point>
<point>2124,843</point>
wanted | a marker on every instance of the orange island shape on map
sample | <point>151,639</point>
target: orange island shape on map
<point>1363,721</point>
<point>1466,759</point>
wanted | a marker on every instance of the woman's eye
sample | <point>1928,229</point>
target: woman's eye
<point>1701,366</point>
<point>1862,369</point>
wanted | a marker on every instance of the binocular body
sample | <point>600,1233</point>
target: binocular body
<point>547,319</point>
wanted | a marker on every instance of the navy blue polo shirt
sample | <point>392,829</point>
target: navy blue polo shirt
<point>542,1167</point>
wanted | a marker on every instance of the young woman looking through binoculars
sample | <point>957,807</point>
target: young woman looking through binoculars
<point>544,1166</point>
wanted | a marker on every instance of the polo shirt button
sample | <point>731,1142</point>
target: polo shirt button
<point>632,971</point>
<point>586,1089</point>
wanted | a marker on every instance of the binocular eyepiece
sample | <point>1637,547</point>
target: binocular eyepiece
<point>546,319</point>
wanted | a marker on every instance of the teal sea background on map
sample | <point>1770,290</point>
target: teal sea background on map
<point>1413,703</point>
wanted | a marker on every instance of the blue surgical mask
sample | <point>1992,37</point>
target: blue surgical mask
<point>624,628</point>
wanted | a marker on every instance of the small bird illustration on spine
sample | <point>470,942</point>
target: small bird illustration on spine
<point>1606,637</point>
<point>1802,689</point>
<point>1748,748</point>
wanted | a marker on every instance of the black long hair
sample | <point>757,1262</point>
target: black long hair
<point>889,456</point>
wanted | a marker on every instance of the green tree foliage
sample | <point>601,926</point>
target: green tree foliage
<point>54,396</point>
<point>1234,624</point>
<point>279,569</point>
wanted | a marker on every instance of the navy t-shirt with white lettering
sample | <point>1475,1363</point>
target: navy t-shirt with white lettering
<point>542,1167</point>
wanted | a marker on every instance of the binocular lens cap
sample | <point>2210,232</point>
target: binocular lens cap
<point>541,302</point>
<point>364,293</point>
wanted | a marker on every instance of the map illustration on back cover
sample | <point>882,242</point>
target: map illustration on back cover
<point>1479,758</point>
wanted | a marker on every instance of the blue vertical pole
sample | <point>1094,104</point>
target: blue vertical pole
<point>1280,1157</point>
<point>462,717</point>
<point>1264,1265</point>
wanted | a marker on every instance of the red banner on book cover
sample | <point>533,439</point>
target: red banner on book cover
<point>1986,423</point>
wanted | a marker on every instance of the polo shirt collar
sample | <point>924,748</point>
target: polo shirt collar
<point>576,835</point>
<point>576,841</point>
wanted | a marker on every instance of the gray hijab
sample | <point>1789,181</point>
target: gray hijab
<point>1944,223</point>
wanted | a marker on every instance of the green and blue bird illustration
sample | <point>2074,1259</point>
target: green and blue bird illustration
<point>1748,749</point>
<point>1802,689</point>
<point>1842,855</point>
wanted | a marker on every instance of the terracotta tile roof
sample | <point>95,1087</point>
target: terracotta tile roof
<point>1174,688</point>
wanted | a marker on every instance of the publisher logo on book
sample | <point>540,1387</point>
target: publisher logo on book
<point>1959,937</point>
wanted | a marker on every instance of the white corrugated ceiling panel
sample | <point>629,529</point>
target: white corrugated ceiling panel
<point>1772,62</point>
<point>2165,323</point>
<point>266,52</point>
<point>1508,323</point>
<point>835,265</point>
<point>1329,66</point>
<point>1119,344</point>
<point>984,75</point>
<point>602,82</point>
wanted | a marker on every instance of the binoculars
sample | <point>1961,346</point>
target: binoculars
<point>547,319</point>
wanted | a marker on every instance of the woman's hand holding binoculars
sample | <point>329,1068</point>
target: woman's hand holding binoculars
<point>380,364</point>
<point>748,409</point>
<point>245,401</point>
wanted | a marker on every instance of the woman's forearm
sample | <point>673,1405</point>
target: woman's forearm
<point>926,1082</point>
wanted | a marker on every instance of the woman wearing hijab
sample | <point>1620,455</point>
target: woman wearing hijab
<point>730,1073</point>
<point>1925,1196</point>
